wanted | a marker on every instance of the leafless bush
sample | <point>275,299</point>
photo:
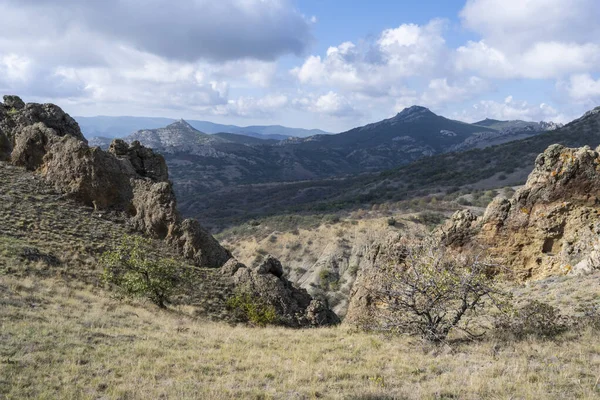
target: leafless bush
<point>430,291</point>
<point>535,319</point>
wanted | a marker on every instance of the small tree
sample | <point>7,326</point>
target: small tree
<point>136,274</point>
<point>430,291</point>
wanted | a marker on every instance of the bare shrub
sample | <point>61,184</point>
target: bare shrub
<point>430,291</point>
<point>533,319</point>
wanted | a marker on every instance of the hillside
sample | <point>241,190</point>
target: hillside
<point>202,164</point>
<point>128,184</point>
<point>502,165</point>
<point>58,325</point>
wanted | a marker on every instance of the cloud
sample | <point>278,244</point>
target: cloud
<point>536,39</point>
<point>184,30</point>
<point>582,88</point>
<point>439,91</point>
<point>542,60</point>
<point>253,106</point>
<point>520,24</point>
<point>511,109</point>
<point>66,57</point>
<point>376,68</point>
<point>332,104</point>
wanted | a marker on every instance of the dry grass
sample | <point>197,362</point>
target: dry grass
<point>72,341</point>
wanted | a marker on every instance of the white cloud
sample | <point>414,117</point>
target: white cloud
<point>377,68</point>
<point>511,109</point>
<point>534,39</point>
<point>582,88</point>
<point>184,30</point>
<point>252,106</point>
<point>520,24</point>
<point>542,60</point>
<point>332,104</point>
<point>439,91</point>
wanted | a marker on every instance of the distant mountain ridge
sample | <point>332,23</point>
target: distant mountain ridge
<point>119,127</point>
<point>519,125</point>
<point>201,162</point>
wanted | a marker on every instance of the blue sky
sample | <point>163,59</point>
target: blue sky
<point>326,64</point>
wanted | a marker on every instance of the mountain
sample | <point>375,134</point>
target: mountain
<point>179,134</point>
<point>201,163</point>
<point>519,125</point>
<point>119,127</point>
<point>496,166</point>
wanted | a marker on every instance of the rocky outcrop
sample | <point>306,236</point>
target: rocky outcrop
<point>294,306</point>
<point>128,179</point>
<point>551,226</point>
<point>366,306</point>
<point>459,229</point>
<point>132,180</point>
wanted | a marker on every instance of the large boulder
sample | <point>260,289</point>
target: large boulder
<point>197,244</point>
<point>294,306</point>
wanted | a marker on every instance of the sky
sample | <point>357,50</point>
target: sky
<point>327,64</point>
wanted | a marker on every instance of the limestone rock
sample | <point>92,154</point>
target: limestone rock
<point>198,245</point>
<point>318,314</point>
<point>550,226</point>
<point>365,303</point>
<point>459,229</point>
<point>144,161</point>
<point>271,265</point>
<point>294,306</point>
<point>30,146</point>
<point>231,267</point>
<point>128,179</point>
<point>14,102</point>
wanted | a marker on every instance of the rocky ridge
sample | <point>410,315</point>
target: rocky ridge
<point>131,180</point>
<point>549,227</point>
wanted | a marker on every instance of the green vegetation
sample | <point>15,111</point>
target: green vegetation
<point>252,308</point>
<point>135,274</point>
<point>449,173</point>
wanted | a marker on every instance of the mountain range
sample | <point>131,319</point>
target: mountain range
<point>502,165</point>
<point>199,161</point>
<point>106,127</point>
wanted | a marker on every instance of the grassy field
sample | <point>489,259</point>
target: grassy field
<point>72,341</point>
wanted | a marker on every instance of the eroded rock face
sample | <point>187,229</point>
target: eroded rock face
<point>294,306</point>
<point>366,307</point>
<point>133,180</point>
<point>551,226</point>
<point>129,179</point>
<point>459,229</point>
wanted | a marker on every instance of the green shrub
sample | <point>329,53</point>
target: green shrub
<point>252,308</point>
<point>134,273</point>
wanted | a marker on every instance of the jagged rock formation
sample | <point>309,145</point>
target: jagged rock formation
<point>551,226</point>
<point>366,306</point>
<point>129,179</point>
<point>294,306</point>
<point>132,180</point>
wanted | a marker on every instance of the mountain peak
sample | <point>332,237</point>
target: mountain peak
<point>413,113</point>
<point>181,124</point>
